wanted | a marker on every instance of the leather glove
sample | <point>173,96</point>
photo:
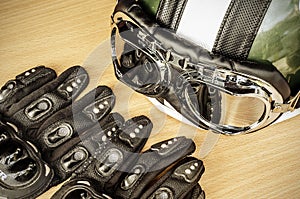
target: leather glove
<point>60,138</point>
<point>40,107</point>
<point>25,104</point>
<point>163,172</point>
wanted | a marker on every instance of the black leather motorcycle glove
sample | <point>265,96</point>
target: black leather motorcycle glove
<point>39,106</point>
<point>163,172</point>
<point>36,106</point>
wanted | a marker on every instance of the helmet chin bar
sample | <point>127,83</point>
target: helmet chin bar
<point>222,79</point>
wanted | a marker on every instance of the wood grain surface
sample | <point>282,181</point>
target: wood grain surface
<point>62,33</point>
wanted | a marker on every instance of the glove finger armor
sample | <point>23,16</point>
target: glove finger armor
<point>38,98</point>
<point>163,171</point>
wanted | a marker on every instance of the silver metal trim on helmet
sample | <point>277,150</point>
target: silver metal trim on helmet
<point>251,86</point>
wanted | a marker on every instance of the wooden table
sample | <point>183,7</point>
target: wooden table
<point>62,33</point>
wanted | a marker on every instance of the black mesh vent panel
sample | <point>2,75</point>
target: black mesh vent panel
<point>169,13</point>
<point>239,27</point>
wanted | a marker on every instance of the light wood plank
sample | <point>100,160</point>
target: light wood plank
<point>60,34</point>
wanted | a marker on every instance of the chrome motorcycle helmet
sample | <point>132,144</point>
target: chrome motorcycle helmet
<point>228,66</point>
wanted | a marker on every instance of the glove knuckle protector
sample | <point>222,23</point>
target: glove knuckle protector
<point>22,171</point>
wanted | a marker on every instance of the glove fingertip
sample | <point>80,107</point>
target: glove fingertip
<point>72,82</point>
<point>136,132</point>
<point>24,84</point>
<point>104,92</point>
<point>179,181</point>
<point>190,169</point>
<point>40,73</point>
<point>77,68</point>
<point>100,102</point>
<point>178,145</point>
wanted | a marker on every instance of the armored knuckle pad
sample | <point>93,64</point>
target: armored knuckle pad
<point>22,171</point>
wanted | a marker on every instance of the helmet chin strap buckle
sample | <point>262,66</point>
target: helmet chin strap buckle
<point>289,106</point>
